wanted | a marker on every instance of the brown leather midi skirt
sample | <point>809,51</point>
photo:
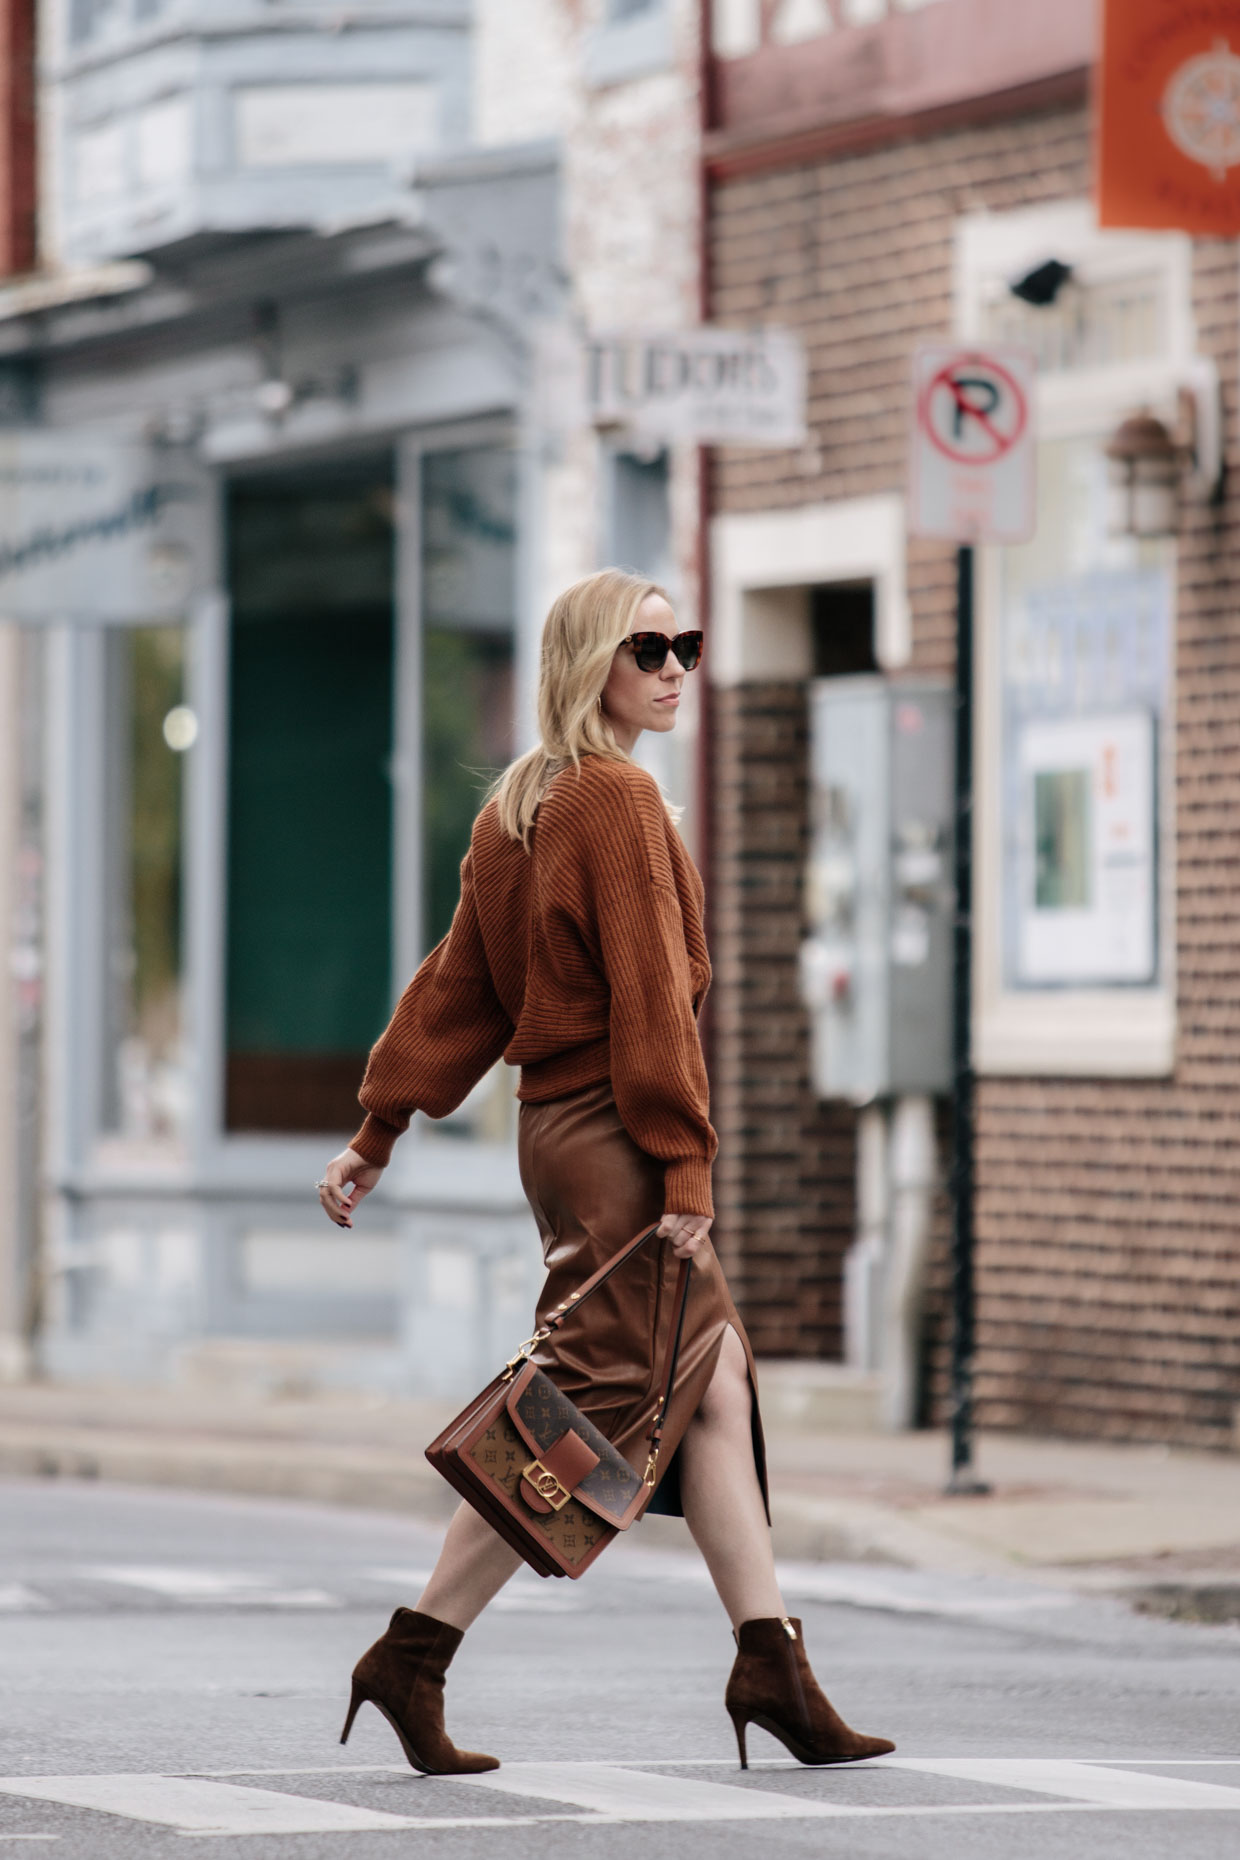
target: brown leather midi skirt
<point>591,1189</point>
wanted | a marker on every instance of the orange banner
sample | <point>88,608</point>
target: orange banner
<point>1169,115</point>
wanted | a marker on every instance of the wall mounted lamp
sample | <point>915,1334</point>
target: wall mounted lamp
<point>1146,465</point>
<point>1155,462</point>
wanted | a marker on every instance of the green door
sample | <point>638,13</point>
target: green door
<point>310,806</point>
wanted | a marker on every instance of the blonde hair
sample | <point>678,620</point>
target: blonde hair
<point>580,635</point>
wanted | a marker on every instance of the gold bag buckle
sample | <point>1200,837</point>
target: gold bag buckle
<point>546,1485</point>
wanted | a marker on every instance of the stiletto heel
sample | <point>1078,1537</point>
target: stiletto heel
<point>357,1697</point>
<point>772,1685</point>
<point>402,1676</point>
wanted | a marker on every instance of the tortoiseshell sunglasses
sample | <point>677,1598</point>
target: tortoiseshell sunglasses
<point>651,650</point>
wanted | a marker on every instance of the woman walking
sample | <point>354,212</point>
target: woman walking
<point>577,953</point>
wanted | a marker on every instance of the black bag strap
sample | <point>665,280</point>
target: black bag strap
<point>655,1431</point>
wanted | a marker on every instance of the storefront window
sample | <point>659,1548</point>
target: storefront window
<point>310,804</point>
<point>468,708</point>
<point>1075,643</point>
<point>87,16</point>
<point>148,729</point>
<point>1084,660</point>
<point>469,538</point>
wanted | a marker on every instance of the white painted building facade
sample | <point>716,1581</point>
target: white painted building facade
<point>307,251</point>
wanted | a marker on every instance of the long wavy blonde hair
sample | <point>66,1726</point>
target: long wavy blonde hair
<point>584,626</point>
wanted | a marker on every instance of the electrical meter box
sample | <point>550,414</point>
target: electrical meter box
<point>876,965</point>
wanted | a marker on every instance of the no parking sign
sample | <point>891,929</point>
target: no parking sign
<point>972,457</point>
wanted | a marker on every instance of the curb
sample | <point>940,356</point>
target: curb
<point>346,1476</point>
<point>804,1528</point>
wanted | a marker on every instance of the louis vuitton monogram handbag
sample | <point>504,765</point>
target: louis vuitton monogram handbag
<point>541,1473</point>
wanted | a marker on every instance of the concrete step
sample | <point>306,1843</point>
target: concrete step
<point>814,1397</point>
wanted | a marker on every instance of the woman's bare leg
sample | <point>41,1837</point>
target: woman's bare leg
<point>723,1509</point>
<point>473,1566</point>
<point>721,1495</point>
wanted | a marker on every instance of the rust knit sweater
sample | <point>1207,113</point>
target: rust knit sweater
<point>579,961</point>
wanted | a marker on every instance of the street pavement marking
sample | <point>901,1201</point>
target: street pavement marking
<point>557,1601</point>
<point>195,1806</point>
<point>621,1794</point>
<point>599,1794</point>
<point>208,1585</point>
<point>984,1599</point>
<point>1093,1782</point>
<point>625,1794</point>
<point>413,1579</point>
<point>521,1596</point>
<point>16,1598</point>
<point>917,1593</point>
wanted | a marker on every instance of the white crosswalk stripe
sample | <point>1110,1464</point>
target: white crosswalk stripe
<point>16,1598</point>
<point>177,1583</point>
<point>621,1794</point>
<point>523,1595</point>
<point>1078,1781</point>
<point>196,1806</point>
<point>595,1794</point>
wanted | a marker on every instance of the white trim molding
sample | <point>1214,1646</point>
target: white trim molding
<point>1081,1032</point>
<point>1057,1032</point>
<point>763,564</point>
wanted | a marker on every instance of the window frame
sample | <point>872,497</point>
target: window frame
<point>618,49</point>
<point>409,940</point>
<point>1076,1031</point>
<point>82,1158</point>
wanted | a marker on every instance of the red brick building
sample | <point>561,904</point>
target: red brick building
<point>875,186</point>
<point>17,136</point>
<point>17,205</point>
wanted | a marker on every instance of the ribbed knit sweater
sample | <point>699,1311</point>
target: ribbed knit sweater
<point>581,960</point>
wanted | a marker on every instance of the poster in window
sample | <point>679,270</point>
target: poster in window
<point>1088,878</point>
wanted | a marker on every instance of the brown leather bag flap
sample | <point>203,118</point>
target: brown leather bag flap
<point>568,1454</point>
<point>547,1482</point>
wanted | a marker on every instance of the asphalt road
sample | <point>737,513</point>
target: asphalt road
<point>176,1665</point>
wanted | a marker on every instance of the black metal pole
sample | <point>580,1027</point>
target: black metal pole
<point>962,1478</point>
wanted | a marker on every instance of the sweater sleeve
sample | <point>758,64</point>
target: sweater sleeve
<point>449,1028</point>
<point>658,1073</point>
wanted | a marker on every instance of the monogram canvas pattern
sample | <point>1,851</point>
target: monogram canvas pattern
<point>548,1414</point>
<point>500,1453</point>
<point>523,1420</point>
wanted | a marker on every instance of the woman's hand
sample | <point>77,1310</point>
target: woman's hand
<point>688,1233</point>
<point>337,1203</point>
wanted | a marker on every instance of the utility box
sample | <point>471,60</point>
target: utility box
<point>876,966</point>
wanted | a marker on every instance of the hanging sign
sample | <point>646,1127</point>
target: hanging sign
<point>714,387</point>
<point>720,387</point>
<point>972,456</point>
<point>99,530</point>
<point>1169,116</point>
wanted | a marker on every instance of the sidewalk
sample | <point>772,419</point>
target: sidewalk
<point>1086,1516</point>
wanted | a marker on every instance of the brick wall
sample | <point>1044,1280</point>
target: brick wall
<point>17,137</point>
<point>1108,1214</point>
<point>784,1179</point>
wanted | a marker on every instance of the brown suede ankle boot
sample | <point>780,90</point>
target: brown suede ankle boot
<point>403,1674</point>
<point>772,1685</point>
